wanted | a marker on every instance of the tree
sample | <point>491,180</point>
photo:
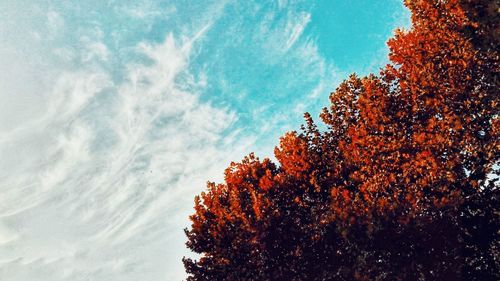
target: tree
<point>402,185</point>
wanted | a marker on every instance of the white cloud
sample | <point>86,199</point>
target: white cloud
<point>96,187</point>
<point>54,23</point>
<point>295,29</point>
<point>282,4</point>
<point>279,35</point>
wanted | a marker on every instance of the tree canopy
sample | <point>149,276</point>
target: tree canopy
<point>402,183</point>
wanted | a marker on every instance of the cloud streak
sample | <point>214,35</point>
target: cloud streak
<point>98,184</point>
<point>295,30</point>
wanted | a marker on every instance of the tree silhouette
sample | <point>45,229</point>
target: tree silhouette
<point>402,185</point>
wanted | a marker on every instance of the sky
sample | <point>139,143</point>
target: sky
<point>115,114</point>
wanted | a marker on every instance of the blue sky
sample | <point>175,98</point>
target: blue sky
<point>114,114</point>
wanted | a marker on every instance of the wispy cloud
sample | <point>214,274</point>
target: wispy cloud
<point>96,186</point>
<point>295,29</point>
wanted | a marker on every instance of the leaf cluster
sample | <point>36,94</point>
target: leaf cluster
<point>402,185</point>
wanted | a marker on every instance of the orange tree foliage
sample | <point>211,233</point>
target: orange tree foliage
<point>402,185</point>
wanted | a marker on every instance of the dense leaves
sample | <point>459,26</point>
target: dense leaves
<point>402,185</point>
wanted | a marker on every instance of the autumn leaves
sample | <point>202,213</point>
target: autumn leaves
<point>404,157</point>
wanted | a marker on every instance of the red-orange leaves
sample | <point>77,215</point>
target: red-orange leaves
<point>267,180</point>
<point>249,172</point>
<point>400,182</point>
<point>293,156</point>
